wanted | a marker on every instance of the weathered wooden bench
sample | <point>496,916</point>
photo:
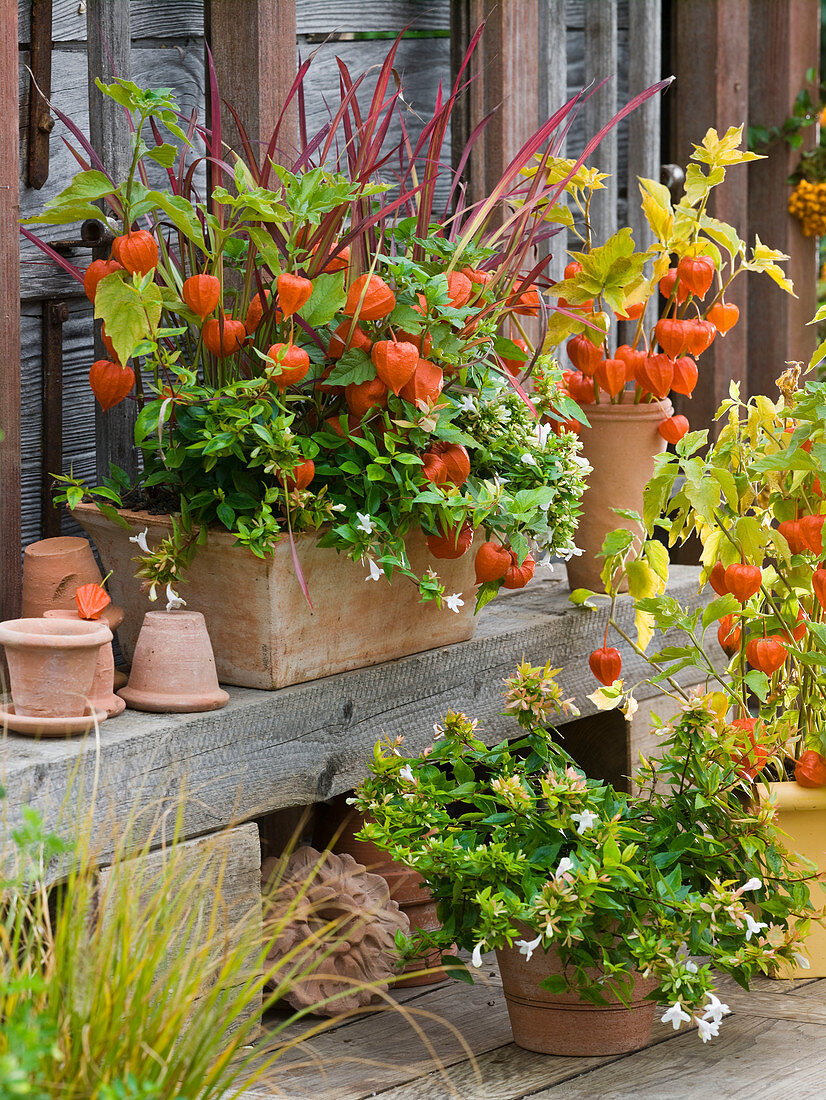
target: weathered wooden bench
<point>213,779</point>
<point>269,750</point>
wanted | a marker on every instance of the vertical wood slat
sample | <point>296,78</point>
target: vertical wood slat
<point>601,62</point>
<point>55,314</point>
<point>644,124</point>
<point>253,44</point>
<point>553,92</point>
<point>506,77</point>
<point>783,42</point>
<point>712,90</point>
<point>10,489</point>
<point>109,52</point>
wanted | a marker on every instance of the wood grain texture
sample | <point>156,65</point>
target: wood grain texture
<point>713,91</point>
<point>267,750</point>
<point>228,865</point>
<point>10,374</point>
<point>164,19</point>
<point>601,62</point>
<point>553,92</point>
<point>253,50</point>
<point>783,44</point>
<point>747,1061</point>
<point>109,57</point>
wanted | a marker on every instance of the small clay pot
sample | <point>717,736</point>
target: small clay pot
<point>173,669</point>
<point>53,570</point>
<point>564,1024</point>
<point>52,664</point>
<point>102,695</point>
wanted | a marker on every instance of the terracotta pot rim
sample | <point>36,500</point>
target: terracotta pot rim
<point>66,634</point>
<point>173,702</point>
<point>656,411</point>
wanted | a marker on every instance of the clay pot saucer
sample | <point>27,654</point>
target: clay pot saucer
<point>48,727</point>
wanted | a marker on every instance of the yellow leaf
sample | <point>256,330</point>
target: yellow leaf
<point>644,624</point>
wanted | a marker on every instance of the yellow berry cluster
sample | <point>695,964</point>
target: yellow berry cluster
<point>808,204</point>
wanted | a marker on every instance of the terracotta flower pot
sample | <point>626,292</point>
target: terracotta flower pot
<point>277,640</point>
<point>620,445</point>
<point>53,570</point>
<point>173,669</point>
<point>52,665</point>
<point>563,1023</point>
<point>801,814</point>
<point>102,694</point>
<point>407,887</point>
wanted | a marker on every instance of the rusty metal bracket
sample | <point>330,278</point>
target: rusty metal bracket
<point>55,315</point>
<point>93,234</point>
<point>41,122</point>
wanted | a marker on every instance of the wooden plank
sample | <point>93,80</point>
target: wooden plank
<point>805,1008</point>
<point>601,106</point>
<point>745,1062</point>
<point>316,738</point>
<point>553,92</point>
<point>253,48</point>
<point>712,85</point>
<point>506,72</point>
<point>644,124</point>
<point>109,57</point>
<point>10,388</point>
<point>185,18</point>
<point>229,865</point>
<point>784,42</point>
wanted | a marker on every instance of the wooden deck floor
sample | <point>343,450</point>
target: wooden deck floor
<point>454,1041</point>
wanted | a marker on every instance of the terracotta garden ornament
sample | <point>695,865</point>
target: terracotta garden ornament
<point>348,965</point>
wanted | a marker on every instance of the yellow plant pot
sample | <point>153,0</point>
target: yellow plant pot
<point>801,814</point>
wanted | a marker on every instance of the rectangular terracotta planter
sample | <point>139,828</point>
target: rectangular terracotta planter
<point>801,814</point>
<point>263,633</point>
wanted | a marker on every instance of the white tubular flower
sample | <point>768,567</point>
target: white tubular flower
<point>752,884</point>
<point>565,865</point>
<point>752,926</point>
<point>542,431</point>
<point>801,960</point>
<point>365,523</point>
<point>707,1029</point>
<point>586,820</point>
<point>375,572</point>
<point>140,539</point>
<point>407,773</point>
<point>454,602</point>
<point>173,600</point>
<point>691,967</point>
<point>476,957</point>
<point>675,1016</point>
<point>153,592</point>
<point>527,947</point>
<point>467,403</point>
<point>528,459</point>
<point>715,1009</point>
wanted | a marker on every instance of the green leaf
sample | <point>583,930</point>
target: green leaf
<point>327,298</point>
<point>181,213</point>
<point>642,581</point>
<point>616,542</point>
<point>74,203</point>
<point>657,557</point>
<point>486,592</point>
<point>164,155</point>
<point>580,597</point>
<point>129,314</point>
<point>354,366</point>
<point>717,609</point>
<point>758,682</point>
